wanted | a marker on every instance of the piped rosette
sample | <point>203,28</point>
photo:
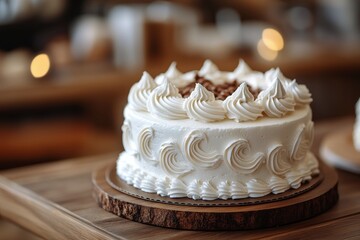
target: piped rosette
<point>176,77</point>
<point>211,72</point>
<point>241,106</point>
<point>240,71</point>
<point>202,106</point>
<point>140,91</point>
<point>166,102</point>
<point>210,95</point>
<point>276,101</point>
<point>300,93</point>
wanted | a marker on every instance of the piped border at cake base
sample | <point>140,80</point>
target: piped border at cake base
<point>253,216</point>
<point>118,184</point>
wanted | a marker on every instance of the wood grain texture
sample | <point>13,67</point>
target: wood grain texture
<point>67,185</point>
<point>28,209</point>
<point>270,214</point>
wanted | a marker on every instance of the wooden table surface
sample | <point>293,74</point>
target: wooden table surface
<point>55,201</point>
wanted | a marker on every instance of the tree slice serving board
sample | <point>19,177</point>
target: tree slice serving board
<point>251,213</point>
<point>338,150</point>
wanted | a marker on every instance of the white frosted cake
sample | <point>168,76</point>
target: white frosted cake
<point>356,132</point>
<point>210,134</point>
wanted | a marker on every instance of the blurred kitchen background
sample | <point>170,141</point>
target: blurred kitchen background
<point>66,66</point>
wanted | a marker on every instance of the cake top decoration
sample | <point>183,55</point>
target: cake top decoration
<point>241,95</point>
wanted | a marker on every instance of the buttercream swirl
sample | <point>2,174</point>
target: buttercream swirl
<point>127,138</point>
<point>140,91</point>
<point>275,100</point>
<point>309,132</point>
<point>177,189</point>
<point>257,188</point>
<point>194,189</point>
<point>138,178</point>
<point>208,191</point>
<point>303,141</point>
<point>172,73</point>
<point>238,190</point>
<point>196,154</point>
<point>301,145</point>
<point>202,106</point>
<point>211,72</point>
<point>224,190</point>
<point>148,184</point>
<point>161,186</point>
<point>278,160</point>
<point>241,106</point>
<point>300,92</point>
<point>255,79</point>
<point>278,185</point>
<point>236,155</point>
<point>294,178</point>
<point>176,77</point>
<point>169,161</point>
<point>306,173</point>
<point>241,70</point>
<point>127,177</point>
<point>166,102</point>
<point>144,142</point>
<point>313,165</point>
<point>274,73</point>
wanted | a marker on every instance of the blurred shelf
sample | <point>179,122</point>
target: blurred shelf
<point>83,83</point>
<point>65,87</point>
<point>51,140</point>
<point>101,91</point>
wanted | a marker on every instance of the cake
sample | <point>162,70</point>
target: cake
<point>356,132</point>
<point>211,134</point>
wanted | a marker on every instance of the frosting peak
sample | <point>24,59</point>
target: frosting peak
<point>277,89</point>
<point>243,93</point>
<point>146,82</point>
<point>167,89</point>
<point>166,102</point>
<point>275,100</point>
<point>176,77</point>
<point>278,94</point>
<point>172,71</point>
<point>201,93</point>
<point>241,69</point>
<point>274,73</point>
<point>208,68</point>
<point>202,106</point>
<point>139,93</point>
<point>241,106</point>
<point>300,93</point>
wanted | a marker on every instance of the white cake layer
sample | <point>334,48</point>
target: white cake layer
<point>209,160</point>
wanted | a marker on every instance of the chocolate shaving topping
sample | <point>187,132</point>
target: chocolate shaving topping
<point>221,91</point>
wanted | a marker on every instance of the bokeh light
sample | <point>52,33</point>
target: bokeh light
<point>272,39</point>
<point>265,52</point>
<point>40,65</point>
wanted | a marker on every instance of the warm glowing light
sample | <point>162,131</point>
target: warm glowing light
<point>40,65</point>
<point>272,39</point>
<point>265,52</point>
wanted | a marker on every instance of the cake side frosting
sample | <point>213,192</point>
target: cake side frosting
<point>202,147</point>
<point>262,156</point>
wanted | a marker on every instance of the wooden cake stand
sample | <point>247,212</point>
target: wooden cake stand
<point>338,149</point>
<point>309,200</point>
